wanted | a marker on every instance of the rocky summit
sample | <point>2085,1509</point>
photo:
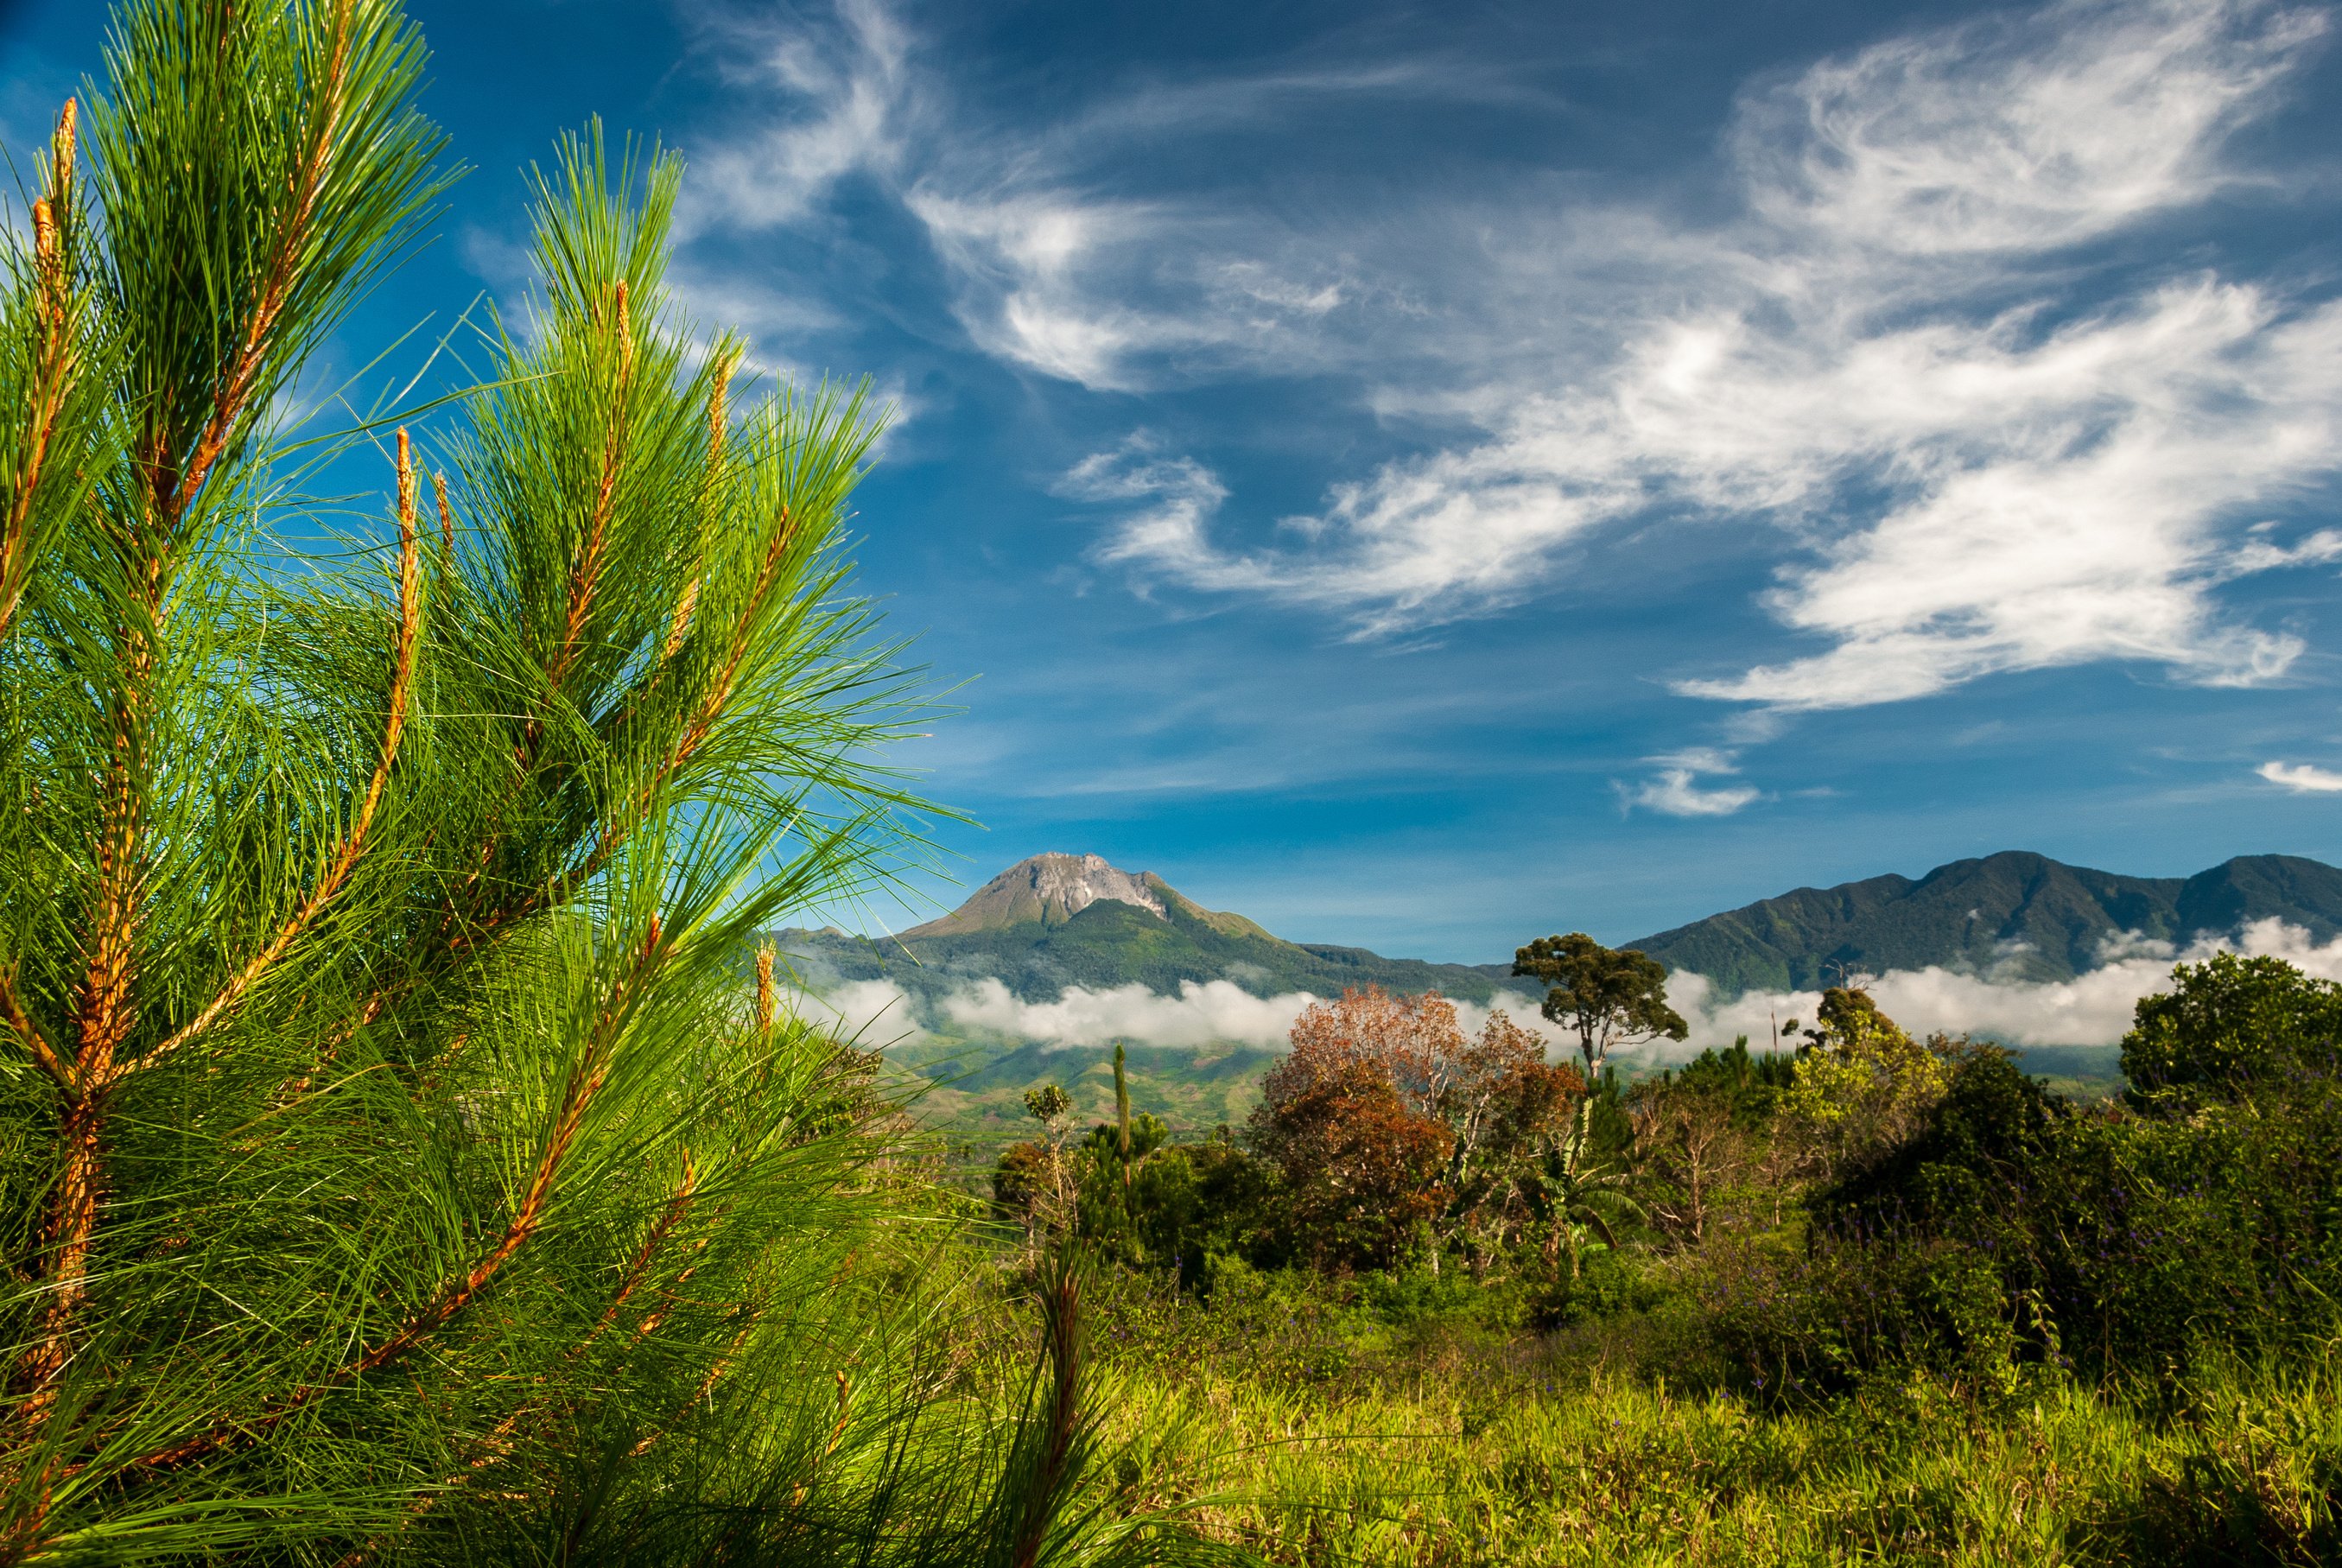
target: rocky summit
<point>1048,889</point>
<point>1060,920</point>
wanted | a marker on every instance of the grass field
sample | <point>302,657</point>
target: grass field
<point>1377,1433</point>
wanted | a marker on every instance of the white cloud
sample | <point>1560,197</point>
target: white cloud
<point>1046,272</point>
<point>1671,792</point>
<point>870,1013</point>
<point>2302,779</point>
<point>1989,447</point>
<point>1901,312</point>
<point>845,92</point>
<point>2019,132</point>
<point>879,1012</point>
<point>2092,1009</point>
<point>1200,1015</point>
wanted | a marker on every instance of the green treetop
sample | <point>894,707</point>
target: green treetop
<point>1609,997</point>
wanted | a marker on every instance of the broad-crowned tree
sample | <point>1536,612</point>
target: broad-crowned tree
<point>1386,1114</point>
<point>1608,997</point>
<point>1862,1084</point>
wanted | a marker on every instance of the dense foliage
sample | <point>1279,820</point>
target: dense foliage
<point>1823,1242</point>
<point>392,1163</point>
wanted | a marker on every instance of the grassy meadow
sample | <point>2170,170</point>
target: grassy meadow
<point>1314,1429</point>
<point>1885,1300</point>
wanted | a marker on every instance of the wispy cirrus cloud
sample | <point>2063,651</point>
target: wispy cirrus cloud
<point>1977,434</point>
<point>1987,447</point>
<point>840,100</point>
<point>1052,264</point>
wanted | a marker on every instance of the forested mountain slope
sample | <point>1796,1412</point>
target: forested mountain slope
<point>1060,920</point>
<point>2014,915</point>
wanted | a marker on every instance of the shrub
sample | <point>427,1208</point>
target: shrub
<point>2231,1027</point>
<point>2120,1239</point>
<point>1610,1283</point>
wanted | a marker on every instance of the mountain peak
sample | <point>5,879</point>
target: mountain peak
<point>1050,889</point>
<point>2012,915</point>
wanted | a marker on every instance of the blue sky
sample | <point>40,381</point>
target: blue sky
<point>1425,476</point>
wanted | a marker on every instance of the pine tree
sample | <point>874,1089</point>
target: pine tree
<point>395,1166</point>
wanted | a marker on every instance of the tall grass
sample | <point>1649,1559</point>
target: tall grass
<point>1359,1441</point>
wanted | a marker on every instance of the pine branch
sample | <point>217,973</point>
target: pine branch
<point>558,890</point>
<point>719,434</point>
<point>447,517</point>
<point>677,1206</point>
<point>106,1012</point>
<point>586,571</point>
<point>277,279</point>
<point>496,1445</point>
<point>765,1000</point>
<point>716,1374</point>
<point>13,1013</point>
<point>53,359</point>
<point>587,1077</point>
<point>246,1324</point>
<point>353,842</point>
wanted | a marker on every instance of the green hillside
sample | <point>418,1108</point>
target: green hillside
<point>1058,921</point>
<point>1106,944</point>
<point>2013,915</point>
<point>975,1088</point>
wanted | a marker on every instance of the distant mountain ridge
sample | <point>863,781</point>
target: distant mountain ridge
<point>1058,919</point>
<point>2013,915</point>
<point>1054,921</point>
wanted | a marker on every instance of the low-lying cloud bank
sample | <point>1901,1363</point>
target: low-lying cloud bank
<point>1216,1011</point>
<point>2093,1009</point>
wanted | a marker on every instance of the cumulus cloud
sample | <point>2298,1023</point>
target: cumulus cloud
<point>1998,453</point>
<point>2302,779</point>
<point>1672,793</point>
<point>880,1012</point>
<point>2092,1009</point>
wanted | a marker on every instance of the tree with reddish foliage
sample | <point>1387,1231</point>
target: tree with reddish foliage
<point>1363,1170</point>
<point>1387,1120</point>
<point>1502,1101</point>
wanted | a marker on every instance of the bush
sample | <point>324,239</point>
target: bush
<point>2231,1027</point>
<point>1609,1283</point>
<point>2117,1238</point>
